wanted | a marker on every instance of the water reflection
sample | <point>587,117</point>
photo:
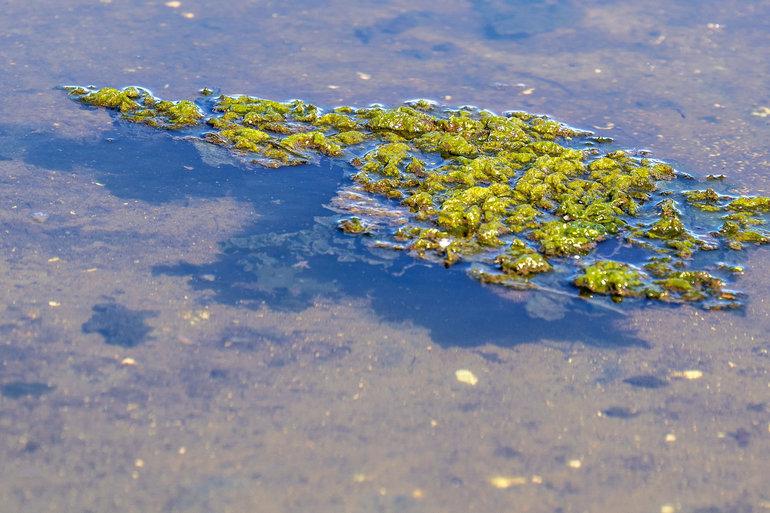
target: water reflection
<point>293,253</point>
<point>519,19</point>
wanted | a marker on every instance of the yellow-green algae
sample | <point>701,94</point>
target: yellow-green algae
<point>354,226</point>
<point>138,105</point>
<point>517,195</point>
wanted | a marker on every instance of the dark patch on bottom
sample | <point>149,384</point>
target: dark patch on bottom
<point>250,340</point>
<point>120,326</point>
<point>741,436</point>
<point>642,463</point>
<point>507,452</point>
<point>218,374</point>
<point>645,381</point>
<point>470,407</point>
<point>619,412</point>
<point>732,508</point>
<point>19,389</point>
<point>489,356</point>
<point>30,447</point>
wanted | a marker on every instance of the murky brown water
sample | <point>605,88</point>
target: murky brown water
<point>204,403</point>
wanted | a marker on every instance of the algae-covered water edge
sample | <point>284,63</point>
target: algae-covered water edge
<point>518,200</point>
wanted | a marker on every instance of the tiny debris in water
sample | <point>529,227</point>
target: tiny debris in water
<point>504,482</point>
<point>687,374</point>
<point>467,377</point>
<point>40,217</point>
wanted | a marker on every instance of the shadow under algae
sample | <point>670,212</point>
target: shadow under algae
<point>21,389</point>
<point>118,325</point>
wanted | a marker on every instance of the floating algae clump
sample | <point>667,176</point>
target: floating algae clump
<point>138,105</point>
<point>611,278</point>
<point>353,226</point>
<point>519,199</point>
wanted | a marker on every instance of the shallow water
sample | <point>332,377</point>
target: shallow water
<point>183,333</point>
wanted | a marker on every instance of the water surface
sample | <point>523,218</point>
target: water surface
<point>184,333</point>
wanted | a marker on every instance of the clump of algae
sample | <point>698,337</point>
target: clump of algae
<point>519,196</point>
<point>138,105</point>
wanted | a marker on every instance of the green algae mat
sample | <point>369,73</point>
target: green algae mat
<point>515,198</point>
